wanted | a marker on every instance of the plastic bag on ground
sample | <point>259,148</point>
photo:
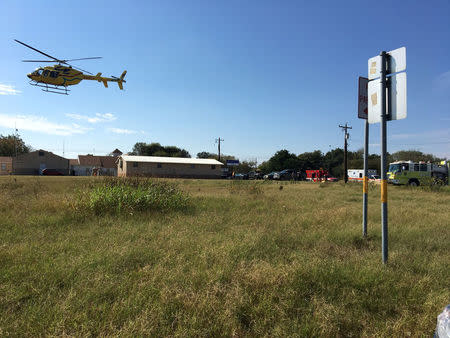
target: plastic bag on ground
<point>443,324</point>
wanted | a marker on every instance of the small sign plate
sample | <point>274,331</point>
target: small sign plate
<point>362,97</point>
<point>232,162</point>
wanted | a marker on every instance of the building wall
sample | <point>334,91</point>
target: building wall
<point>33,163</point>
<point>80,170</point>
<point>5,165</point>
<point>169,170</point>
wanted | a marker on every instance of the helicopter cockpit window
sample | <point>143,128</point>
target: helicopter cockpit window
<point>37,72</point>
<point>54,74</point>
<point>46,72</point>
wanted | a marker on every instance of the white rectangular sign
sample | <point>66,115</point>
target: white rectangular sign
<point>397,63</point>
<point>397,104</point>
<point>395,101</point>
<point>397,60</point>
<point>362,97</point>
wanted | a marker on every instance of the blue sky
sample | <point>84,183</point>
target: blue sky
<point>263,75</point>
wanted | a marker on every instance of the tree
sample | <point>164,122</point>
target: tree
<point>282,159</point>
<point>245,167</point>
<point>312,160</point>
<point>138,148</point>
<point>156,149</point>
<point>205,154</point>
<point>12,144</point>
<point>413,155</point>
<point>334,161</point>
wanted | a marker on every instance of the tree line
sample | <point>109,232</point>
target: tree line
<point>332,160</point>
<point>156,149</point>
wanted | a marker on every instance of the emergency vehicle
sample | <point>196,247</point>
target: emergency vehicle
<point>418,173</point>
<point>358,174</point>
<point>319,175</point>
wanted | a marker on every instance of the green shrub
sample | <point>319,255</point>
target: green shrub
<point>128,195</point>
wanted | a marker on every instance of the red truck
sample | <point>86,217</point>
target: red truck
<point>319,175</point>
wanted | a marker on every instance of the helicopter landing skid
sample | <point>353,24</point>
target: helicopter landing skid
<point>54,89</point>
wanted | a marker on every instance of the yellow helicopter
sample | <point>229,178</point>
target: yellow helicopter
<point>56,79</point>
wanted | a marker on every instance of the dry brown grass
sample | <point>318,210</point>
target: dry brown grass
<point>287,262</point>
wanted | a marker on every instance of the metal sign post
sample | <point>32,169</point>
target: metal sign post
<point>362,114</point>
<point>365,179</point>
<point>386,102</point>
<point>384,206</point>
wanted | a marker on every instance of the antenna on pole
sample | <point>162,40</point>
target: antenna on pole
<point>346,136</point>
<point>218,140</point>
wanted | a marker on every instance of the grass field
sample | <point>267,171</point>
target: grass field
<point>245,259</point>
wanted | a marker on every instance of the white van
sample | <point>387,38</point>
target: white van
<point>358,174</point>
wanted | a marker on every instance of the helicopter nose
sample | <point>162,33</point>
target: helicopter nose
<point>29,75</point>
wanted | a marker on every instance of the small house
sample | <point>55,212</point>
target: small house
<point>91,165</point>
<point>35,162</point>
<point>156,166</point>
<point>116,153</point>
<point>5,165</point>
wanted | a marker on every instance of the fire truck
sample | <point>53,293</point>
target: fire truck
<point>418,173</point>
<point>319,175</point>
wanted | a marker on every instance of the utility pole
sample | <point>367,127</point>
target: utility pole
<point>218,140</point>
<point>345,150</point>
<point>15,140</point>
<point>15,145</point>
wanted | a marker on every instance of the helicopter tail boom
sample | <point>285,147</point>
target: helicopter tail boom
<point>98,77</point>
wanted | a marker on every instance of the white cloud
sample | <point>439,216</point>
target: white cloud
<point>107,117</point>
<point>122,131</point>
<point>8,90</point>
<point>40,124</point>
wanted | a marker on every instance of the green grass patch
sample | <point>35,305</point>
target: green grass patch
<point>129,195</point>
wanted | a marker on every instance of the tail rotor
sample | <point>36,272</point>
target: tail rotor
<point>120,80</point>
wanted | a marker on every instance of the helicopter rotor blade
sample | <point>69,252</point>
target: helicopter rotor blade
<point>39,61</point>
<point>90,58</point>
<point>81,70</point>
<point>37,50</point>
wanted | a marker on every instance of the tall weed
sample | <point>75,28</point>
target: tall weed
<point>128,195</point>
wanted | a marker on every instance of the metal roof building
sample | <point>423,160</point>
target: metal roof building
<point>156,166</point>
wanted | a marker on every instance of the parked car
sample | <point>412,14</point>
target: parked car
<point>241,176</point>
<point>286,175</point>
<point>254,175</point>
<point>270,175</point>
<point>51,172</point>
